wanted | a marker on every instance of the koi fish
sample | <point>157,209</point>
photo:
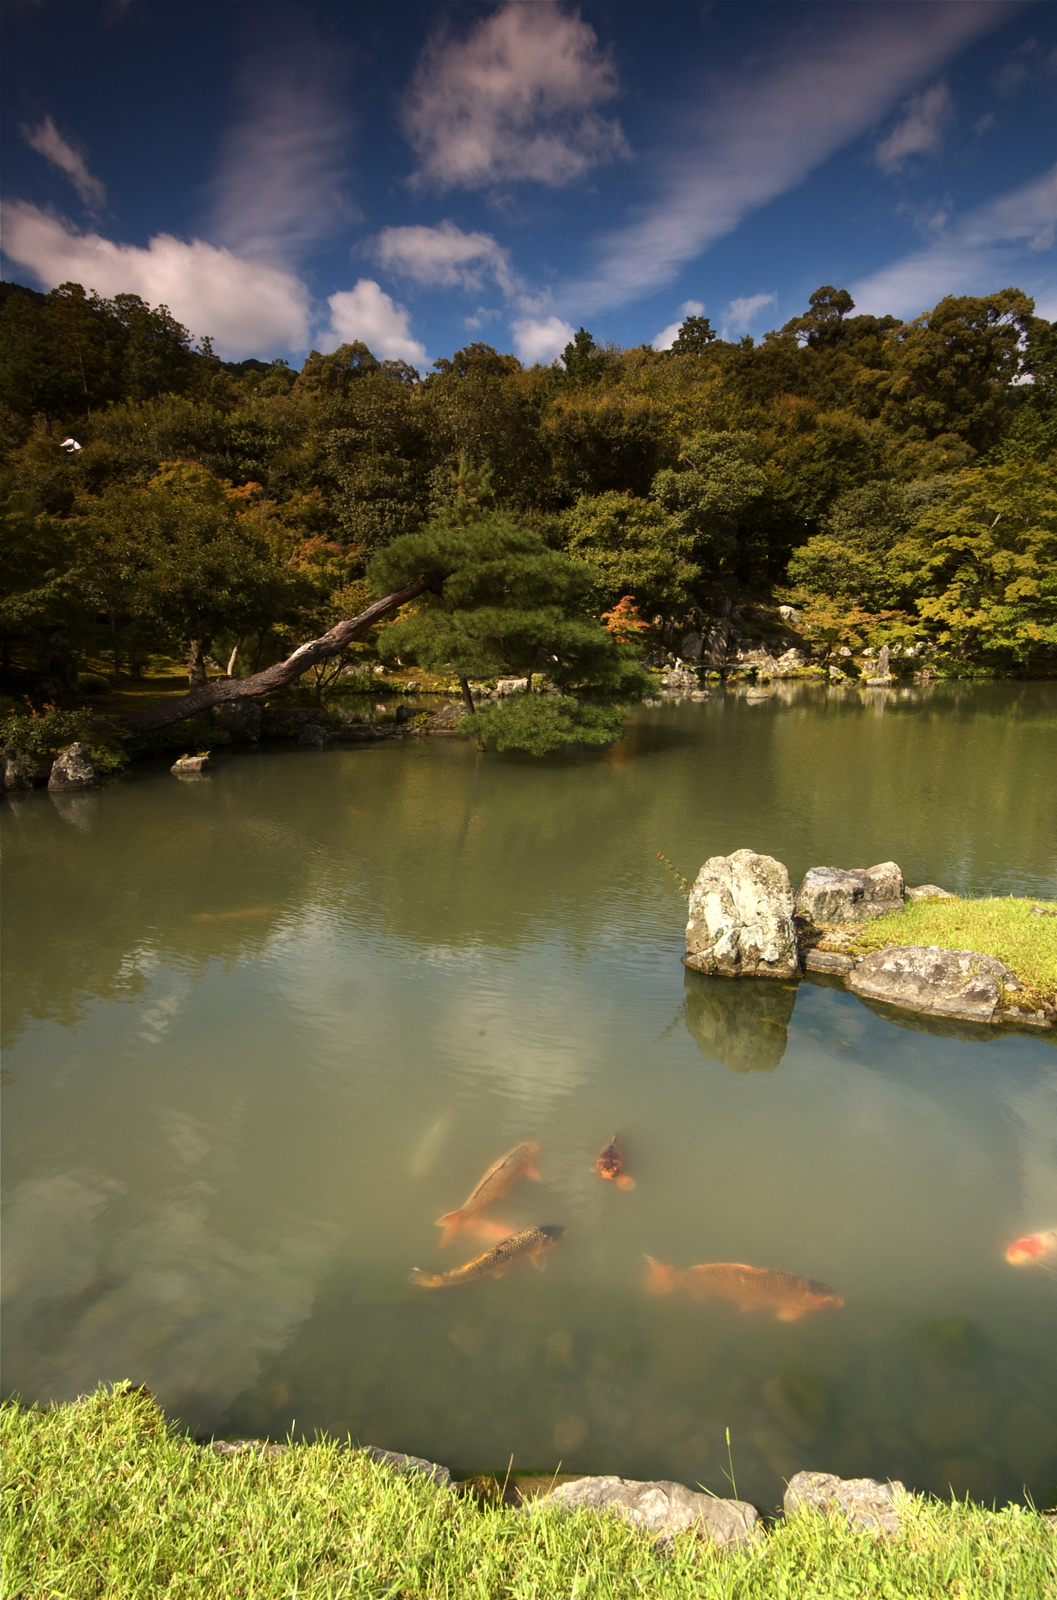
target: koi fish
<point>1034,1250</point>
<point>236,916</point>
<point>751,1288</point>
<point>497,1181</point>
<point>531,1242</point>
<point>610,1164</point>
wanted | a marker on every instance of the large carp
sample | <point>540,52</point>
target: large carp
<point>750,1288</point>
<point>497,1181</point>
<point>530,1243</point>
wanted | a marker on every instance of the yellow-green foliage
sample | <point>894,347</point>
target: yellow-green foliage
<point>1004,928</point>
<point>102,1499</point>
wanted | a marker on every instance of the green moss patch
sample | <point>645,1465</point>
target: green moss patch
<point>1005,928</point>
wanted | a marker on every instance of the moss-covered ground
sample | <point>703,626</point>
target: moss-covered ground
<point>103,1498</point>
<point>1007,928</point>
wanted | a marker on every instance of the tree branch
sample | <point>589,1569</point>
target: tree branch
<point>305,656</point>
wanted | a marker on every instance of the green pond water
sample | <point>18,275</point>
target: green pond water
<point>264,1028</point>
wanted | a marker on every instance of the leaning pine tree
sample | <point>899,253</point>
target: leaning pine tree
<point>500,602</point>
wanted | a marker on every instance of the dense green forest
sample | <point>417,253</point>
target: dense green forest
<point>893,482</point>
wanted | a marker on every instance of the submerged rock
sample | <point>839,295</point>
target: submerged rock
<point>863,1501</point>
<point>73,769</point>
<point>662,1508</point>
<point>831,894</point>
<point>944,983</point>
<point>741,918</point>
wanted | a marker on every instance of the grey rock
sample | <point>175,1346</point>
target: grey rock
<point>792,661</point>
<point>313,733</point>
<point>788,614</point>
<point>680,679</point>
<point>692,646</point>
<point>828,961</point>
<point>447,719</point>
<point>741,918</point>
<point>863,1501</point>
<point>187,766</point>
<point>837,676</point>
<point>1043,911</point>
<point>507,686</point>
<point>929,891</point>
<point>242,718</point>
<point>73,769</point>
<point>831,894</point>
<point>662,1508</point>
<point>943,983</point>
<point>21,770</point>
<point>401,1463</point>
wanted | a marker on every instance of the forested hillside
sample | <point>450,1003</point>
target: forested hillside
<point>893,481</point>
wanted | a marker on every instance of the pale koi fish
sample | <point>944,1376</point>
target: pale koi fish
<point>1034,1250</point>
<point>610,1164</point>
<point>750,1288</point>
<point>497,1181</point>
<point>530,1243</point>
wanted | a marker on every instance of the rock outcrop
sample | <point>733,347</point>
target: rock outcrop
<point>831,894</point>
<point>72,769</point>
<point>942,983</point>
<point>863,1502</point>
<point>741,918</point>
<point>660,1508</point>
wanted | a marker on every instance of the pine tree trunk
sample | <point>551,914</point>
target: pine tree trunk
<point>196,662</point>
<point>467,700</point>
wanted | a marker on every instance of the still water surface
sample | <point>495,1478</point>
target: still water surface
<point>264,1028</point>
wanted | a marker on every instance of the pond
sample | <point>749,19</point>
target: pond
<point>264,1028</point>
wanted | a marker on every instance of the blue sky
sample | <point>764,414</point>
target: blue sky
<point>420,175</point>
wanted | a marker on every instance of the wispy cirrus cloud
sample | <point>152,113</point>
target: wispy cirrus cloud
<point>1010,239</point>
<point>245,306</point>
<point>758,134</point>
<point>281,182</point>
<point>45,138</point>
<point>919,132</point>
<point>367,313</point>
<point>515,99</point>
<point>444,257</point>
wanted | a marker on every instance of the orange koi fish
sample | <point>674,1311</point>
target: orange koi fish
<point>1034,1250</point>
<point>497,1181</point>
<point>750,1288</point>
<point>610,1164</point>
<point>531,1242</point>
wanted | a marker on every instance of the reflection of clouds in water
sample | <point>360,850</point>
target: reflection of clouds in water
<point>162,1298</point>
<point>1034,1112</point>
<point>536,1044</point>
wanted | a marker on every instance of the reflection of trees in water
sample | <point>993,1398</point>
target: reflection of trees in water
<point>425,845</point>
<point>743,1023</point>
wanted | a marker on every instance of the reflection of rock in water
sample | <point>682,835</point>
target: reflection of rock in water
<point>744,1025</point>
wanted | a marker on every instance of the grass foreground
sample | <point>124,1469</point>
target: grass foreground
<point>102,1497</point>
<point>1002,927</point>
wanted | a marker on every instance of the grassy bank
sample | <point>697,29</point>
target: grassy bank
<point>102,1498</point>
<point>998,927</point>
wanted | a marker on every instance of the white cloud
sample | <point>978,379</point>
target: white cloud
<point>999,243</point>
<point>513,100</point>
<point>245,306</point>
<point>667,336</point>
<point>280,186</point>
<point>544,341</point>
<point>744,311</point>
<point>367,313</point>
<point>756,137</point>
<point>925,118</point>
<point>46,139</point>
<point>444,257</point>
